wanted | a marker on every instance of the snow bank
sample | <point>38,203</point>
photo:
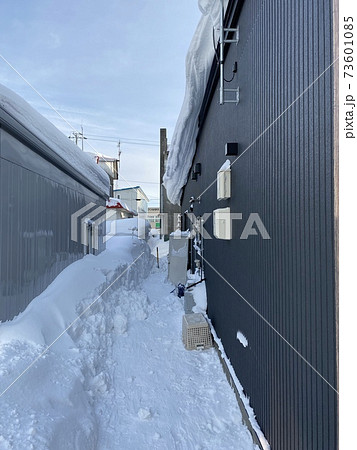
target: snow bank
<point>80,283</point>
<point>120,377</point>
<point>135,226</point>
<point>198,64</point>
<point>44,130</point>
<point>51,404</point>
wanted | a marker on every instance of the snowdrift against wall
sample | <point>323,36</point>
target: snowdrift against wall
<point>198,63</point>
<point>46,132</point>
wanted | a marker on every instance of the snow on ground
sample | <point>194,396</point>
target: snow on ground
<point>119,378</point>
<point>156,243</point>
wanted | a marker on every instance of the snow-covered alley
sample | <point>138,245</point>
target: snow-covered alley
<point>120,377</point>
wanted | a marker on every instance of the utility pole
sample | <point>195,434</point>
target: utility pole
<point>82,138</point>
<point>75,135</point>
<point>119,153</point>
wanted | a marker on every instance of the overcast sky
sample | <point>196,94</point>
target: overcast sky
<point>117,67</point>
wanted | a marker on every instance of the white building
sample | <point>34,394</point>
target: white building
<point>134,197</point>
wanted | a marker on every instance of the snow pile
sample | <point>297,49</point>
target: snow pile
<point>198,64</point>
<point>136,226</point>
<point>226,165</point>
<point>198,291</point>
<point>46,132</point>
<point>124,227</point>
<point>120,376</point>
<point>200,298</point>
<point>51,405</point>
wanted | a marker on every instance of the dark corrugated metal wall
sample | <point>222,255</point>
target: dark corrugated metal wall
<point>36,203</point>
<point>287,177</point>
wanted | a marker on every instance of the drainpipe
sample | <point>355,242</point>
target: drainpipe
<point>221,50</point>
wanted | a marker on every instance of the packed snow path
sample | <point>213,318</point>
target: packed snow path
<point>121,378</point>
<point>163,396</point>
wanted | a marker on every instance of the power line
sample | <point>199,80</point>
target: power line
<point>138,181</point>
<point>123,141</point>
<point>123,138</point>
<point>51,106</point>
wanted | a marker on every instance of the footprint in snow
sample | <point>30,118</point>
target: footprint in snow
<point>144,413</point>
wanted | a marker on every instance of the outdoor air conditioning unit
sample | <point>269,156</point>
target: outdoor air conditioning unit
<point>222,225</point>
<point>196,333</point>
<point>224,183</point>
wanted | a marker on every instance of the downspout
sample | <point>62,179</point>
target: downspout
<point>221,58</point>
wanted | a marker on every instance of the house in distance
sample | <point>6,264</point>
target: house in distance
<point>134,197</point>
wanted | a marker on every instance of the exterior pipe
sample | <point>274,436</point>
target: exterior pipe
<point>221,50</point>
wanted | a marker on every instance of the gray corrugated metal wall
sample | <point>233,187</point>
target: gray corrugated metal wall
<point>36,203</point>
<point>287,177</point>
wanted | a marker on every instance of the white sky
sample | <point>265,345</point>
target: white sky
<point>117,67</point>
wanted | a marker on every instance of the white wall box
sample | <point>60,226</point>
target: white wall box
<point>222,226</point>
<point>223,184</point>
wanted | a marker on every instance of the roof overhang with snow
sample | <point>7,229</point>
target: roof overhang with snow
<point>29,126</point>
<point>200,60</point>
<point>114,203</point>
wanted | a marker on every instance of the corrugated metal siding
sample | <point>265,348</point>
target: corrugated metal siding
<point>287,177</point>
<point>36,203</point>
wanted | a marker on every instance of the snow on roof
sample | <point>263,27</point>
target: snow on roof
<point>119,204</point>
<point>114,203</point>
<point>127,188</point>
<point>198,64</point>
<point>46,132</point>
